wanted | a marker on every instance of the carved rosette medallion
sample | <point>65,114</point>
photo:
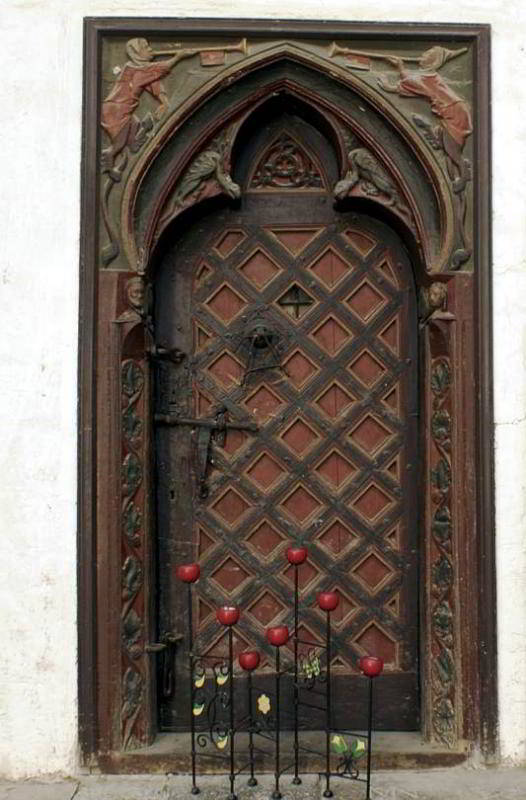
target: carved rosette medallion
<point>286,165</point>
<point>132,571</point>
<point>443,675</point>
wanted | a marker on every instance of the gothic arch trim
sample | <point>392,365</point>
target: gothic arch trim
<point>436,259</point>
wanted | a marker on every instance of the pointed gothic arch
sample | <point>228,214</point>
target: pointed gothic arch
<point>399,146</point>
<point>199,143</point>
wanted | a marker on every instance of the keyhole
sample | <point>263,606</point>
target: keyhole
<point>260,341</point>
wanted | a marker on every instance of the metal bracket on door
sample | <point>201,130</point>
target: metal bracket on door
<point>263,349</point>
<point>173,354</point>
<point>208,430</point>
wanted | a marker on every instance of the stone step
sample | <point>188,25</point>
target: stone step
<point>459,783</point>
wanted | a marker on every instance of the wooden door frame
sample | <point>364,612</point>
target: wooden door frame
<point>458,555</point>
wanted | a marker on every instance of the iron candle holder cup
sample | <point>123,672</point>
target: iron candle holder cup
<point>189,574</point>
<point>328,602</point>
<point>296,555</point>
<point>228,616</point>
<point>371,666</point>
<point>249,661</point>
<point>277,637</point>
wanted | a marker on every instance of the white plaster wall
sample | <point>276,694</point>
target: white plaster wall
<point>40,98</point>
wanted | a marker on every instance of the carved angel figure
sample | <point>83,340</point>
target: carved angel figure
<point>364,168</point>
<point>140,74</point>
<point>453,112</point>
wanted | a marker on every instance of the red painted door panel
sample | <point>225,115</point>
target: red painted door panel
<point>300,319</point>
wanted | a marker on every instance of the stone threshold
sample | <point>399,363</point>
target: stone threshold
<point>457,783</point>
<point>170,753</point>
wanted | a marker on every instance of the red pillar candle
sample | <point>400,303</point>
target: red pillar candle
<point>227,615</point>
<point>371,666</point>
<point>249,660</point>
<point>278,636</point>
<point>297,555</point>
<point>328,601</point>
<point>188,573</point>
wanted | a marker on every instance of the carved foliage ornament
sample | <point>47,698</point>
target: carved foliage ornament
<point>443,675</point>
<point>132,388</point>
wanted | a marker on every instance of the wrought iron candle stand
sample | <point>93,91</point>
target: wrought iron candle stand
<point>306,673</point>
<point>249,661</point>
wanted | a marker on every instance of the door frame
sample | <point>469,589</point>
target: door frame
<point>459,469</point>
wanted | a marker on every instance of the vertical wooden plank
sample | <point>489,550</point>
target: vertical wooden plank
<point>487,667</point>
<point>87,610</point>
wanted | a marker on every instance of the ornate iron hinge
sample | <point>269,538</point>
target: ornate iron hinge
<point>208,429</point>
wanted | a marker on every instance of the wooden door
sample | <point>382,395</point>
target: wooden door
<point>301,320</point>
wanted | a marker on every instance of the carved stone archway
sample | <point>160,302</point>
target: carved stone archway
<point>428,181</point>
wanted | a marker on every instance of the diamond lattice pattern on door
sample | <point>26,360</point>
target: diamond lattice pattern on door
<point>320,469</point>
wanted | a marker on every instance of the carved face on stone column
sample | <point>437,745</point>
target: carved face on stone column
<point>437,296</point>
<point>135,294</point>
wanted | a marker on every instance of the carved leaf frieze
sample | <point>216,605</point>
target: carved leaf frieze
<point>442,568</point>
<point>132,571</point>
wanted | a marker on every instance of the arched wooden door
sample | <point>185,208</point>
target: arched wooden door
<point>300,320</point>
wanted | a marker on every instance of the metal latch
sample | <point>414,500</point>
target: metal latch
<point>166,646</point>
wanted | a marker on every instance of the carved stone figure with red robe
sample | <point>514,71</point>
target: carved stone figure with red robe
<point>141,73</point>
<point>454,113</point>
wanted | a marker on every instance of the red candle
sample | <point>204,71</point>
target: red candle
<point>249,660</point>
<point>227,615</point>
<point>188,573</point>
<point>328,601</point>
<point>371,666</point>
<point>297,555</point>
<point>278,635</point>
